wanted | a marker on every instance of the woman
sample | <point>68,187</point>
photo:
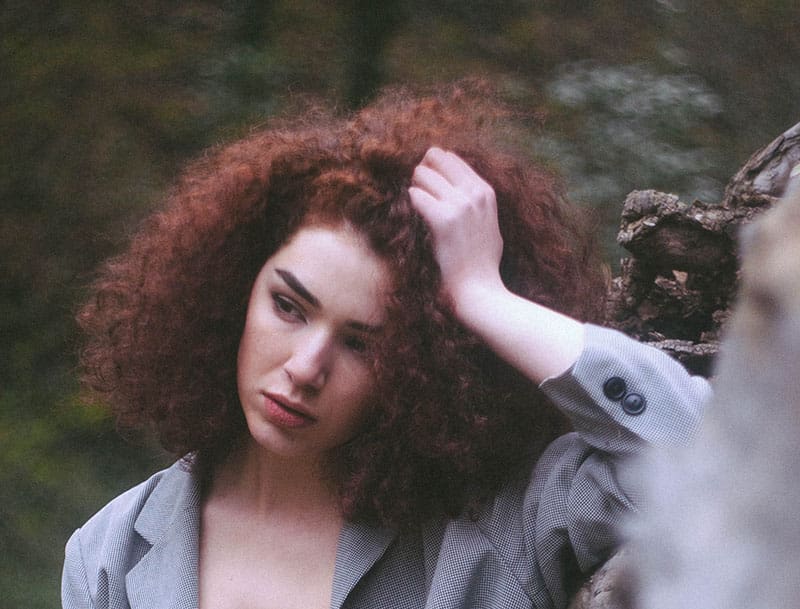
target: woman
<point>361,338</point>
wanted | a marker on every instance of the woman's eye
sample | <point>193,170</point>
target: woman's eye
<point>285,307</point>
<point>356,344</point>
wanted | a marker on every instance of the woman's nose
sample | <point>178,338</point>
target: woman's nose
<point>309,363</point>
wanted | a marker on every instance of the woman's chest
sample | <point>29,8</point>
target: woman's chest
<point>275,566</point>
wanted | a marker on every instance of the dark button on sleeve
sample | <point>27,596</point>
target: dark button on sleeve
<point>615,388</point>
<point>633,404</point>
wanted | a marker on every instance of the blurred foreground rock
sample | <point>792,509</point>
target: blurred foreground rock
<point>716,536</point>
<point>721,530</point>
<point>609,587</point>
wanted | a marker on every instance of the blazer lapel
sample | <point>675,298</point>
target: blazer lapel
<point>166,576</point>
<point>360,547</point>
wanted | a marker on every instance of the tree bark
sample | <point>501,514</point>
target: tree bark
<point>676,289</point>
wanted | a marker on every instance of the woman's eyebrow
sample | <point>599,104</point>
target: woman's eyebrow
<point>294,283</point>
<point>362,327</point>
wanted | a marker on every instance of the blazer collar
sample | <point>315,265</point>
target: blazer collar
<point>360,547</point>
<point>166,576</point>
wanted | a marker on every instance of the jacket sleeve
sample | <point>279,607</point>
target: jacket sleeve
<point>74,582</point>
<point>621,396</point>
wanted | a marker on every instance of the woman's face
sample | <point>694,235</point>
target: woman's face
<point>304,372</point>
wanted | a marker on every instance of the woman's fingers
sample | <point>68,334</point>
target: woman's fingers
<point>445,189</point>
<point>452,168</point>
<point>460,209</point>
<point>431,181</point>
<point>424,202</point>
<point>447,178</point>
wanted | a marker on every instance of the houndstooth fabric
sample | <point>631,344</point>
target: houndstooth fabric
<point>528,548</point>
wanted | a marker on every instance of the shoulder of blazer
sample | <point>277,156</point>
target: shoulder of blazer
<point>111,537</point>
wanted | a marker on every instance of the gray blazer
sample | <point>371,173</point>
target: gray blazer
<point>524,550</point>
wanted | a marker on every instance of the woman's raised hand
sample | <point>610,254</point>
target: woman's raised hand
<point>461,212</point>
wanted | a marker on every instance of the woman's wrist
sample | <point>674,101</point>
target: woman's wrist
<point>473,300</point>
<point>538,341</point>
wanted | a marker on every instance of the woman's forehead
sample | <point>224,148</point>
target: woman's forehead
<point>334,267</point>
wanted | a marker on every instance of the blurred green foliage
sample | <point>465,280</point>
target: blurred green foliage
<point>103,101</point>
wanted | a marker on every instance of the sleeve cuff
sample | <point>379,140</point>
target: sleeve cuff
<point>621,393</point>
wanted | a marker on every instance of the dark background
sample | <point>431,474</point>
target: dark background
<point>103,101</point>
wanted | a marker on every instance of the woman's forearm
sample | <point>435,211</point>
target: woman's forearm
<point>539,342</point>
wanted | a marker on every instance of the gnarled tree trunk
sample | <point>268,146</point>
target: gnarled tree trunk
<point>676,289</point>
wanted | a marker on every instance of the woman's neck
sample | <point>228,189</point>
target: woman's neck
<point>257,481</point>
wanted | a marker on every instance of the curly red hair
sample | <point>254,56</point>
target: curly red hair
<point>165,318</point>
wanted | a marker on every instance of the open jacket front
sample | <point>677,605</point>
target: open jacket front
<point>527,548</point>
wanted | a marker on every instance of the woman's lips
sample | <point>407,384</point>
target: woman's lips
<point>285,416</point>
